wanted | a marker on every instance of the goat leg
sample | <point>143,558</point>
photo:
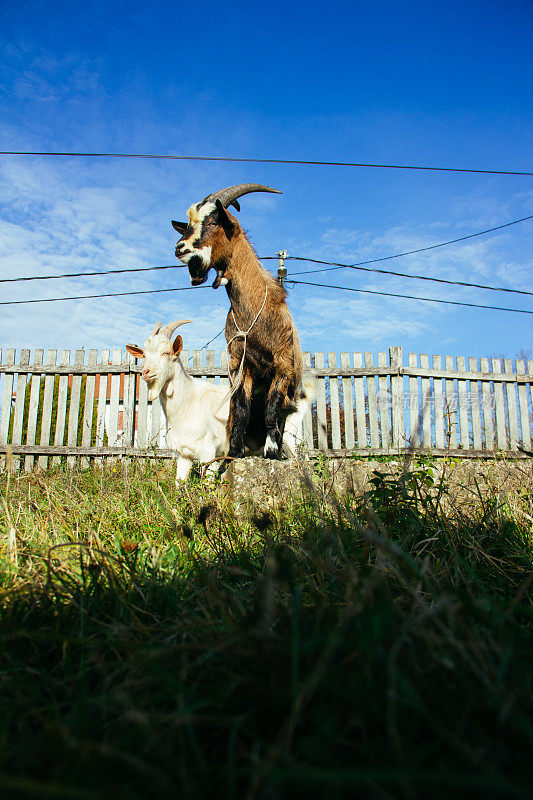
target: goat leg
<point>183,468</point>
<point>274,423</point>
<point>239,417</point>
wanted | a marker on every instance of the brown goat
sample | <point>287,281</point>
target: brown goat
<point>265,358</point>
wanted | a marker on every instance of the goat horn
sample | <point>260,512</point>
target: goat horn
<point>156,329</point>
<point>229,195</point>
<point>169,329</point>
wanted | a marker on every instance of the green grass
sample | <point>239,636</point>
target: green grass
<point>151,646</point>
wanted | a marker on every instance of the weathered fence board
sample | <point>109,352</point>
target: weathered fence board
<point>413,404</point>
<point>142,415</point>
<point>474,399</point>
<point>426,402</point>
<point>501,428</point>
<point>439,405</point>
<point>308,421</point>
<point>372,402</point>
<point>397,397</point>
<point>18,411</point>
<point>75,396</point>
<point>347,399</point>
<point>383,403</point>
<point>87,412</point>
<point>360,411</point>
<point>334,405</point>
<point>102,401</point>
<point>33,409</point>
<point>463,403</point>
<point>486,398</point>
<point>322,431</point>
<point>522,402</point>
<point>48,402</point>
<point>451,406</point>
<point>5,419</point>
<point>88,408</point>
<point>61,406</point>
<point>112,430</point>
<point>511,407</point>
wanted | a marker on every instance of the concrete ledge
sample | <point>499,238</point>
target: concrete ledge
<point>255,483</point>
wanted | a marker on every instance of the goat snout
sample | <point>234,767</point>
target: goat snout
<point>147,375</point>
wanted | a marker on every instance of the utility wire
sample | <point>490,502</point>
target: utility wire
<point>93,296</point>
<point>89,274</point>
<point>333,264</point>
<point>261,161</point>
<point>303,283</point>
<point>409,297</point>
<point>208,343</point>
<point>417,277</point>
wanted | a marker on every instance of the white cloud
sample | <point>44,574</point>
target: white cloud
<point>362,321</point>
<point>79,215</point>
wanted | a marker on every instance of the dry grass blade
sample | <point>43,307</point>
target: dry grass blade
<point>375,643</point>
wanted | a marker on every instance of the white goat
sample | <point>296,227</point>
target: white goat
<point>196,411</point>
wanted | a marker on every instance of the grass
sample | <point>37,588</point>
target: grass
<point>153,646</point>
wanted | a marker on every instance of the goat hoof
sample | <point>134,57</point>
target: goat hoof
<point>271,449</point>
<point>273,455</point>
<point>236,453</point>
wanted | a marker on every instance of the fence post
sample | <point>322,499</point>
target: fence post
<point>88,408</point>
<point>6,405</point>
<point>20,401</point>
<point>48,405</point>
<point>398,424</point>
<point>128,408</point>
<point>74,409</point>
<point>321,419</point>
<point>31,423</point>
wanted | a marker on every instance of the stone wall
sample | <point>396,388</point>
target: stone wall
<point>257,483</point>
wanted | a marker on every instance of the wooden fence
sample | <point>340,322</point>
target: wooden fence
<point>96,408</point>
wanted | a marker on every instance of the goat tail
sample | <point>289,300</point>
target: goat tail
<point>308,389</point>
<point>293,434</point>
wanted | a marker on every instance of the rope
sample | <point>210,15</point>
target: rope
<point>237,382</point>
<point>234,384</point>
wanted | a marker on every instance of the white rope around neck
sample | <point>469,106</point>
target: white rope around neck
<point>234,384</point>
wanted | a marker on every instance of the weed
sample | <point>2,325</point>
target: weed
<point>373,646</point>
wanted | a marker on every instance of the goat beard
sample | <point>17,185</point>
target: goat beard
<point>153,393</point>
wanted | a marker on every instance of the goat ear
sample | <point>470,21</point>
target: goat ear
<point>224,220</point>
<point>180,227</point>
<point>177,345</point>
<point>135,350</point>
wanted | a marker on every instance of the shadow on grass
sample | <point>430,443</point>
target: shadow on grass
<point>327,651</point>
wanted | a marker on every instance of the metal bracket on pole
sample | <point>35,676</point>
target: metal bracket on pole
<point>282,270</point>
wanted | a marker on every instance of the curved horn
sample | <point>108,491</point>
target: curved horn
<point>169,329</point>
<point>229,195</point>
<point>156,329</point>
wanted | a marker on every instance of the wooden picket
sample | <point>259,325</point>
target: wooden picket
<point>474,408</point>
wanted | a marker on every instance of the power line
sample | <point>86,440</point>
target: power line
<point>417,277</point>
<point>89,274</point>
<point>410,297</point>
<point>93,296</point>
<point>261,161</point>
<point>303,283</point>
<point>421,249</point>
<point>209,342</point>
<point>333,264</point>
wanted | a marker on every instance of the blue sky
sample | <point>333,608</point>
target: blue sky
<point>384,82</point>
